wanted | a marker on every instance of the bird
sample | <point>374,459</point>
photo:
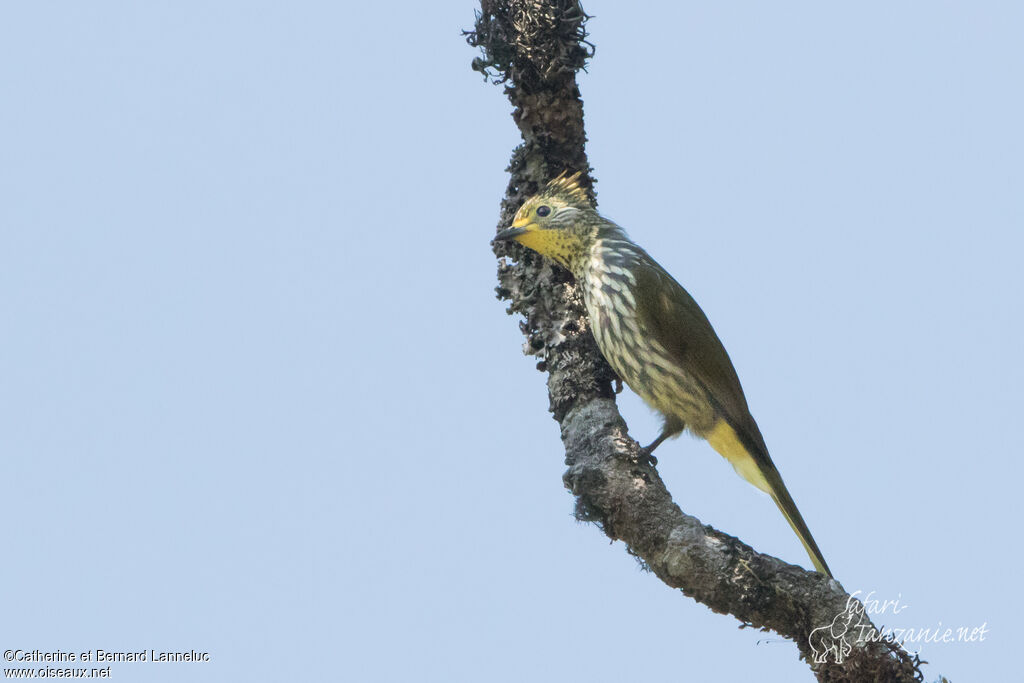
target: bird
<point>654,335</point>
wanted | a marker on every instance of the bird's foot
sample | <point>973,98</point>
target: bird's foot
<point>645,456</point>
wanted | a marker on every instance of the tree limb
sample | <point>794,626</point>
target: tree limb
<point>535,48</point>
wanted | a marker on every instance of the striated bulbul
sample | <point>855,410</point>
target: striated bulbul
<point>654,335</point>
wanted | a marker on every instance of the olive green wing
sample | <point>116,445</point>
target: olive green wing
<point>670,315</point>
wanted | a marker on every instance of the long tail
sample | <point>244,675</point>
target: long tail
<point>754,465</point>
<point>785,502</point>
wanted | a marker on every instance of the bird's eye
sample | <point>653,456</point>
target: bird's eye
<point>543,210</point>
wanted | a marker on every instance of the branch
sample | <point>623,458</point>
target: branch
<point>535,48</point>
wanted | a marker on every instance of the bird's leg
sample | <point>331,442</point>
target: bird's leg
<point>647,452</point>
<point>671,429</point>
<point>649,449</point>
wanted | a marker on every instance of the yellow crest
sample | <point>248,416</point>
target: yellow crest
<point>567,188</point>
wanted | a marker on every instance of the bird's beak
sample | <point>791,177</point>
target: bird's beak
<point>509,234</point>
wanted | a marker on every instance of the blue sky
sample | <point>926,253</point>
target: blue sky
<point>257,397</point>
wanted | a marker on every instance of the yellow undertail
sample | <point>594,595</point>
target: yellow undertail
<point>723,438</point>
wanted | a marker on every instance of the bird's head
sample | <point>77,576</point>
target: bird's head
<point>559,222</point>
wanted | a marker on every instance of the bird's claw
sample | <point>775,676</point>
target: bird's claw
<point>646,457</point>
